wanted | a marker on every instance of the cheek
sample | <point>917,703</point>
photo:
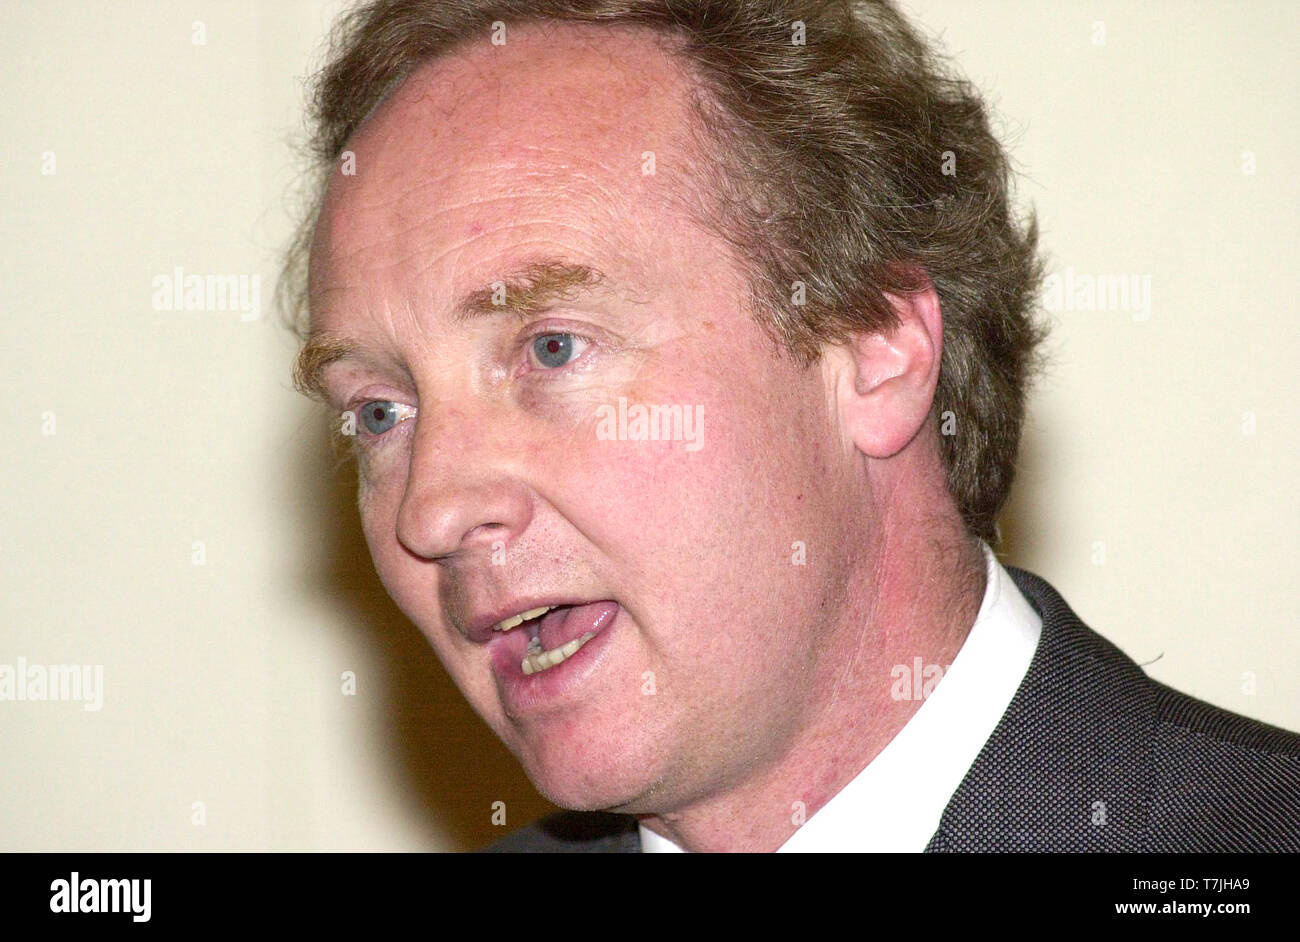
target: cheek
<point>378,503</point>
<point>711,529</point>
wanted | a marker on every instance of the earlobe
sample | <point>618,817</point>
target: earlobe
<point>893,374</point>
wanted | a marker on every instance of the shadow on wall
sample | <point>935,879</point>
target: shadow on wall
<point>1025,522</point>
<point>450,760</point>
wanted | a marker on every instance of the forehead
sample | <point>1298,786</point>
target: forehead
<point>494,153</point>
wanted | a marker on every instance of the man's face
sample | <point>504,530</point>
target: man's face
<point>491,485</point>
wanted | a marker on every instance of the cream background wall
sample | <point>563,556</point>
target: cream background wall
<point>170,512</point>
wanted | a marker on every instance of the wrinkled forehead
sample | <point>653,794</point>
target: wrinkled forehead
<point>572,134</point>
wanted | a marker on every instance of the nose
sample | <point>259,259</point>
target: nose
<point>463,493</point>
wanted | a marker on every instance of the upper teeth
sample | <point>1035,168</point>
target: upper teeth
<point>513,620</point>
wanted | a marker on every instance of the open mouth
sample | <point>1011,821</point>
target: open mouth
<point>557,632</point>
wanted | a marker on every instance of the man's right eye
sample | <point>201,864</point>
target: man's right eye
<point>378,417</point>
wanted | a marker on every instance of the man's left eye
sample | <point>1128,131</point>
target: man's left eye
<point>555,350</point>
<point>379,417</point>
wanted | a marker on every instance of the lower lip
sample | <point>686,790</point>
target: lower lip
<point>528,693</point>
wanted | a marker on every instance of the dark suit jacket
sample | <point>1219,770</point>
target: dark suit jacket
<point>1088,738</point>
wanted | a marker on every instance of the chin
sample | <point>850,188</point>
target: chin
<point>586,792</point>
<point>590,776</point>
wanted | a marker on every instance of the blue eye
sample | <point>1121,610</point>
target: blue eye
<point>556,350</point>
<point>379,417</point>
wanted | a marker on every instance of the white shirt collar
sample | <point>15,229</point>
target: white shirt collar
<point>895,803</point>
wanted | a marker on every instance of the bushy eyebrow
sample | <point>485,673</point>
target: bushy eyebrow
<point>530,290</point>
<point>321,349</point>
<point>524,293</point>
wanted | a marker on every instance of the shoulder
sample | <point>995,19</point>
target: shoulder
<point>573,832</point>
<point>1224,782</point>
<point>1094,755</point>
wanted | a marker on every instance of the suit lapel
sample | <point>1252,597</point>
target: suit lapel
<point>1068,766</point>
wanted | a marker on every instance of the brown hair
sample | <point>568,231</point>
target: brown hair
<point>841,164</point>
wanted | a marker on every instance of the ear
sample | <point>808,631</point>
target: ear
<point>886,381</point>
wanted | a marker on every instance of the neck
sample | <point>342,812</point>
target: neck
<point>917,593</point>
